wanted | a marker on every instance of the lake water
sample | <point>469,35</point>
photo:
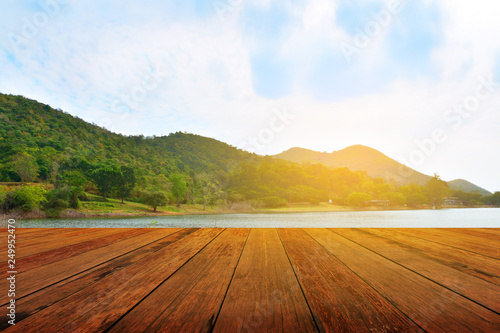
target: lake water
<point>442,218</point>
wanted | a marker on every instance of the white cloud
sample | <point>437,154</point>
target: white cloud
<point>91,54</point>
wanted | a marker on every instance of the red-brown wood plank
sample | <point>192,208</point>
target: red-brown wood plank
<point>58,241</point>
<point>483,267</point>
<point>46,257</point>
<point>428,304</point>
<point>457,242</point>
<point>37,301</point>
<point>190,299</point>
<point>22,243</point>
<point>41,277</point>
<point>339,299</point>
<point>30,233</point>
<point>26,247</point>
<point>120,291</point>
<point>264,295</point>
<point>480,291</point>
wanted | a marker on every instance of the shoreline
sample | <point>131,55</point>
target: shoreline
<point>190,210</point>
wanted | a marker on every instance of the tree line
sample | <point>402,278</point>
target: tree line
<point>268,183</point>
<point>73,160</point>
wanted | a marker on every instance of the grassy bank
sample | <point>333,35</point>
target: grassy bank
<point>114,208</point>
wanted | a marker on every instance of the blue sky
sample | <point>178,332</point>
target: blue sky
<point>383,73</point>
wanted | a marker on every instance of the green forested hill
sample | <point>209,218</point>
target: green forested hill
<point>45,133</point>
<point>41,144</point>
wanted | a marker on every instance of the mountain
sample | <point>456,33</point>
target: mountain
<point>359,157</point>
<point>375,163</point>
<point>465,186</point>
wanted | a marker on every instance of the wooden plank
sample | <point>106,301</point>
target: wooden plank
<point>471,263</point>
<point>456,242</point>
<point>464,236</point>
<point>59,241</point>
<point>36,230</point>
<point>37,233</point>
<point>480,291</point>
<point>29,233</point>
<point>482,233</point>
<point>44,298</point>
<point>264,294</point>
<point>54,237</point>
<point>43,258</point>
<point>431,306</point>
<point>190,299</point>
<point>339,299</point>
<point>118,291</point>
<point>41,277</point>
<point>26,247</point>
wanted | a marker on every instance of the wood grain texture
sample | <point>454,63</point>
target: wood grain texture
<point>35,302</point>
<point>417,261</point>
<point>465,236</point>
<point>339,299</point>
<point>83,244</point>
<point>458,242</point>
<point>483,267</point>
<point>47,243</point>
<point>258,280</point>
<point>264,295</point>
<point>114,295</point>
<point>481,233</point>
<point>41,277</point>
<point>426,303</point>
<point>190,300</point>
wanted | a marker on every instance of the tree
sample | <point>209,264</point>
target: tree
<point>179,187</point>
<point>106,179</point>
<point>395,198</point>
<point>54,171</point>
<point>74,178</point>
<point>24,165</point>
<point>415,194</point>
<point>493,199</point>
<point>436,189</point>
<point>209,187</point>
<point>155,199</point>
<point>358,199</point>
<point>126,182</point>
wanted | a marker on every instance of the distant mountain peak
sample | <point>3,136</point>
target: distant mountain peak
<point>375,163</point>
<point>466,186</point>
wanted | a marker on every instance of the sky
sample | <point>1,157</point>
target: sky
<point>417,80</point>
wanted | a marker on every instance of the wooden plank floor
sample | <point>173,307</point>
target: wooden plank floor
<point>254,280</point>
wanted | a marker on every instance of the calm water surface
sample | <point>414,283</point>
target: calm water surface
<point>442,218</point>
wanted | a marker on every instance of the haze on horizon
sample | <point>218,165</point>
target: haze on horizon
<point>416,80</point>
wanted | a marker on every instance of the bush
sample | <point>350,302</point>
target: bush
<point>24,198</point>
<point>273,202</point>
<point>61,198</point>
<point>55,206</point>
